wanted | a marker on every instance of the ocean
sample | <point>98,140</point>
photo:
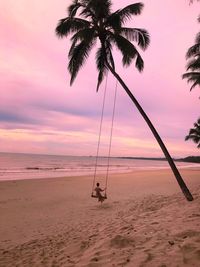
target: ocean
<point>14,166</point>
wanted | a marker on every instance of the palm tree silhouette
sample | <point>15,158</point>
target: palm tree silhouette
<point>194,133</point>
<point>193,55</point>
<point>96,22</point>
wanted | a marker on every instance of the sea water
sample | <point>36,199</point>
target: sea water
<point>14,166</point>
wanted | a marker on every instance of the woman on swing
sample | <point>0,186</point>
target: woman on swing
<point>98,191</point>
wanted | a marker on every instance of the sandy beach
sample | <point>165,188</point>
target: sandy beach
<point>145,221</point>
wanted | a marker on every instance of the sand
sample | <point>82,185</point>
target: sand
<point>145,221</point>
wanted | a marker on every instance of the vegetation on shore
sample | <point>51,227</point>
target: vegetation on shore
<point>193,159</point>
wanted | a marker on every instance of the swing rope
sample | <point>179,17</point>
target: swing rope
<point>99,138</point>
<point>100,129</point>
<point>111,134</point>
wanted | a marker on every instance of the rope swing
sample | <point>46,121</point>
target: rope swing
<point>96,192</point>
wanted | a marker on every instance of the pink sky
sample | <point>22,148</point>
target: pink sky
<point>41,113</point>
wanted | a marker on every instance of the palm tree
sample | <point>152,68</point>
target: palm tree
<point>96,22</point>
<point>193,55</point>
<point>194,133</point>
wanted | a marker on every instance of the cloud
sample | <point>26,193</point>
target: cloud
<point>41,113</point>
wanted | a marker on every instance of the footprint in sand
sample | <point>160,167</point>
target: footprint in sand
<point>120,241</point>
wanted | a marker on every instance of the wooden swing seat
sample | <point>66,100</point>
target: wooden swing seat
<point>95,196</point>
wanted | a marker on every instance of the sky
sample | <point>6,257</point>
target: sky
<point>39,111</point>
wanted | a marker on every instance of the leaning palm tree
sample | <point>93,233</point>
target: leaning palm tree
<point>95,21</point>
<point>194,133</point>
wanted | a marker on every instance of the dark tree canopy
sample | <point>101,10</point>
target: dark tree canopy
<point>194,133</point>
<point>193,66</point>
<point>87,23</point>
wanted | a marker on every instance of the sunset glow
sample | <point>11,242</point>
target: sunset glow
<point>41,113</point>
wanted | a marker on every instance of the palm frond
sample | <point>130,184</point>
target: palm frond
<point>72,9</point>
<point>84,34</point>
<point>197,38</point>
<point>110,58</point>
<point>193,74</point>
<point>128,51</point>
<point>139,63</point>
<point>194,64</point>
<point>88,12</point>
<point>197,82</point>
<point>105,9</point>
<point>193,51</point>
<point>77,57</point>
<point>69,25</point>
<point>113,22</point>
<point>97,8</point>
<point>126,13</point>
<point>140,36</point>
<point>194,138</point>
<point>197,127</point>
<point>193,77</point>
<point>101,65</point>
<point>194,133</point>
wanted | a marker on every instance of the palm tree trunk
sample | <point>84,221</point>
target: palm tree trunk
<point>179,179</point>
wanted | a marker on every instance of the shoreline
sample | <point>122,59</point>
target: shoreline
<point>111,172</point>
<point>119,157</point>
